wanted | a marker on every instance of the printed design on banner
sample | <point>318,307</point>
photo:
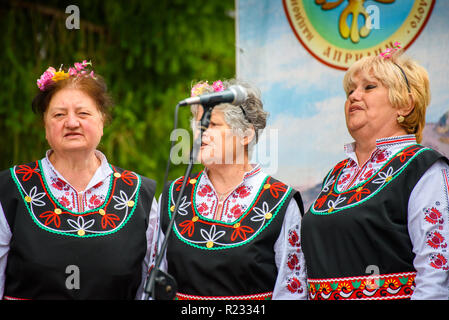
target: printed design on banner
<point>338,33</point>
<point>377,287</point>
<point>51,215</point>
<point>193,228</point>
<point>331,201</point>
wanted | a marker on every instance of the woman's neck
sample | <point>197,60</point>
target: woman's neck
<point>367,143</point>
<point>226,177</point>
<point>78,169</point>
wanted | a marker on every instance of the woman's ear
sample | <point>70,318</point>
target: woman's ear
<point>248,137</point>
<point>407,109</point>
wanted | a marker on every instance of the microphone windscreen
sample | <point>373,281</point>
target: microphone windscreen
<point>239,93</point>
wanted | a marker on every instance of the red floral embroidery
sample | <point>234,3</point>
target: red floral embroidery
<point>340,165</point>
<point>344,178</point>
<point>179,182</point>
<point>109,220</point>
<point>436,240</point>
<point>26,171</point>
<point>51,217</point>
<point>320,201</point>
<point>294,285</point>
<point>241,232</point>
<point>128,177</point>
<point>433,216</point>
<point>64,202</point>
<point>368,174</point>
<point>236,211</point>
<point>95,201</point>
<point>187,226</point>
<point>358,194</point>
<point>438,261</point>
<point>58,184</point>
<point>276,187</point>
<point>202,208</point>
<point>293,238</point>
<point>242,191</point>
<point>403,156</point>
<point>380,157</point>
<point>293,262</point>
<point>204,190</point>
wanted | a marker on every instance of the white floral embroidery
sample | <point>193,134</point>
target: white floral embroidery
<point>122,201</point>
<point>260,212</point>
<point>212,235</point>
<point>80,224</point>
<point>328,184</point>
<point>333,205</point>
<point>182,210</point>
<point>384,176</point>
<point>35,197</point>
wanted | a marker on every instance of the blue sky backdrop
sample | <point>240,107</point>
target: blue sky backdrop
<point>305,98</point>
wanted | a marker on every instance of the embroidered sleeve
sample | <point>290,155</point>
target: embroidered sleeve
<point>428,223</point>
<point>5,237</point>
<point>291,280</point>
<point>150,255</point>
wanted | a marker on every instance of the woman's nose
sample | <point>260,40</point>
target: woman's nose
<point>355,95</point>
<point>72,121</point>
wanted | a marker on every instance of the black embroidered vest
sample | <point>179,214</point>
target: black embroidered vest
<point>50,245</point>
<point>212,259</point>
<point>349,236</point>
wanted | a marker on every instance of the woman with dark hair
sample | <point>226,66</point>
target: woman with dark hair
<point>73,226</point>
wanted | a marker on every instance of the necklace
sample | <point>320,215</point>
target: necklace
<point>222,195</point>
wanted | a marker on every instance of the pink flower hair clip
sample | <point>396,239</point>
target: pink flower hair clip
<point>202,87</point>
<point>387,54</point>
<point>51,76</point>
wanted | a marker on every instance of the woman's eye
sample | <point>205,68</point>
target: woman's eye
<point>370,86</point>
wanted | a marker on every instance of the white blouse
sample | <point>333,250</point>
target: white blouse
<point>428,213</point>
<point>92,197</point>
<point>291,282</point>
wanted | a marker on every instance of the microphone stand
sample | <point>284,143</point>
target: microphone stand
<point>161,285</point>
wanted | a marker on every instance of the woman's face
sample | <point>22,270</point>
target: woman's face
<point>73,122</point>
<point>219,144</point>
<point>368,109</point>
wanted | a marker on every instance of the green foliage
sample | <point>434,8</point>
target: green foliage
<point>149,52</point>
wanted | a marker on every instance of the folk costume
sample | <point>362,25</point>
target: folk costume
<point>57,243</point>
<point>379,230</point>
<point>248,250</point>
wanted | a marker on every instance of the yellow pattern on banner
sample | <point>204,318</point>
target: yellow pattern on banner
<point>342,58</point>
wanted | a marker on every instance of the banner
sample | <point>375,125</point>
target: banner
<point>296,52</point>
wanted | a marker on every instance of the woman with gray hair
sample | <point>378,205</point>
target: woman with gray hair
<point>237,232</point>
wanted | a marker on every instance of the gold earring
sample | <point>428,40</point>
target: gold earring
<point>400,119</point>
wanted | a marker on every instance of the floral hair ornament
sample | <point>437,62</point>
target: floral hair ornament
<point>50,76</point>
<point>202,87</point>
<point>388,53</point>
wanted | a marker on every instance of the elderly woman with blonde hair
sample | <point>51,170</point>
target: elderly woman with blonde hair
<point>237,232</point>
<point>379,227</point>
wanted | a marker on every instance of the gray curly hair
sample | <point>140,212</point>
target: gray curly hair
<point>250,115</point>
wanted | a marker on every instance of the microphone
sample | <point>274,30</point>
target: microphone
<point>235,95</point>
